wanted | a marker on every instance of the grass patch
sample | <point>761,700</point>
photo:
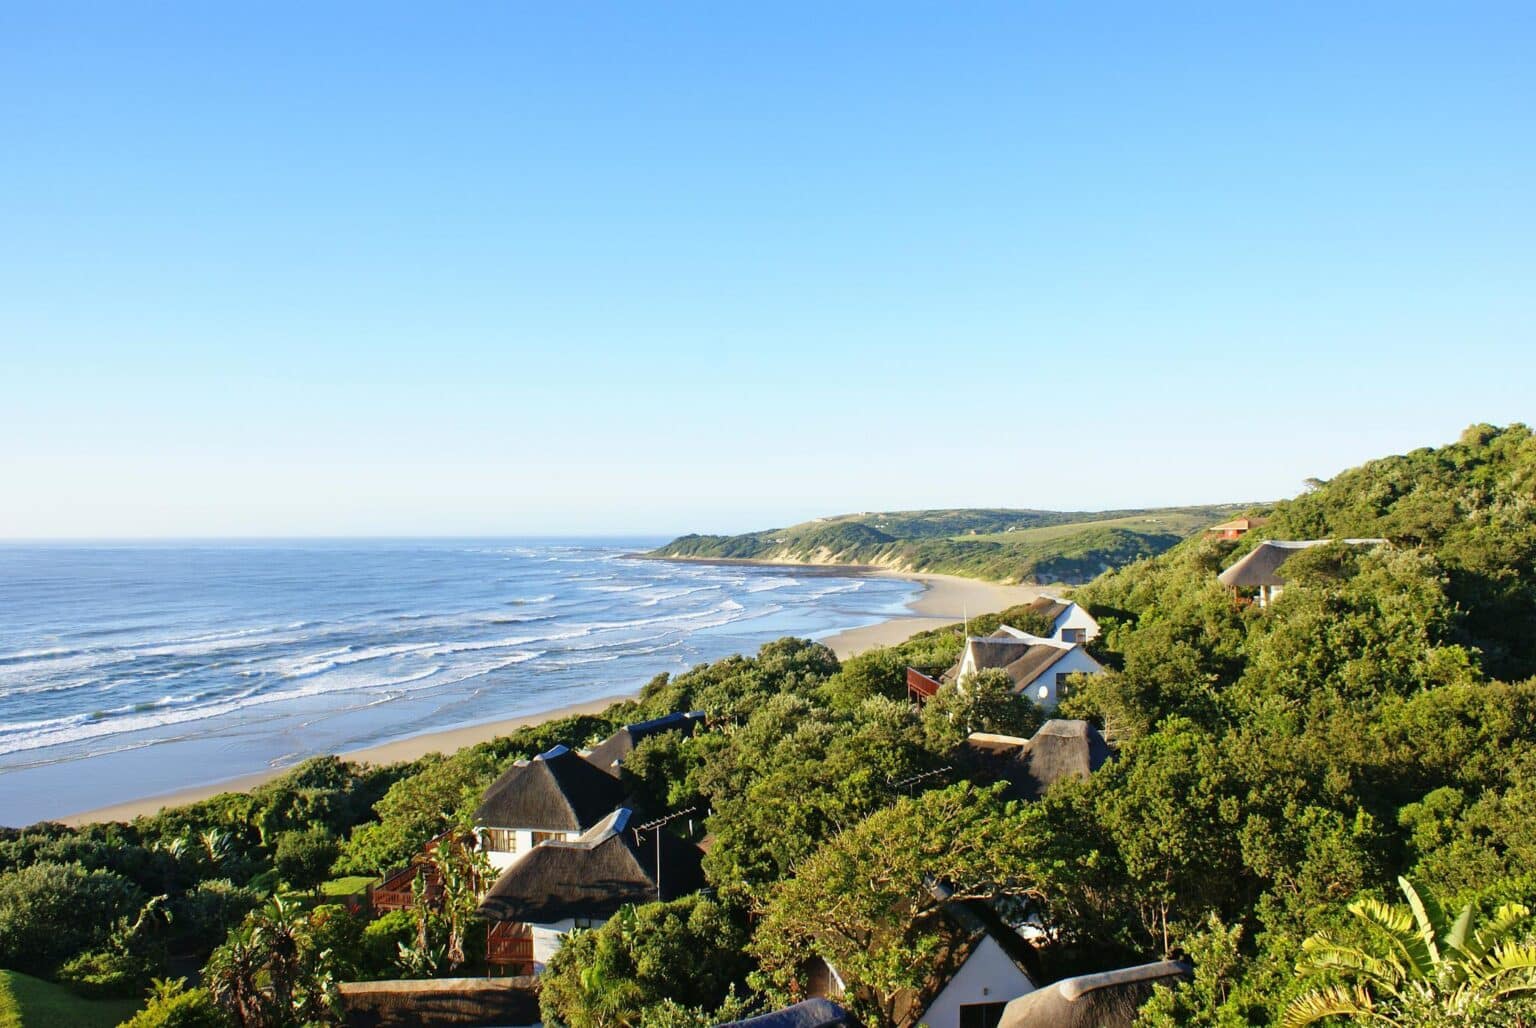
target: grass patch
<point>351,885</point>
<point>27,1002</point>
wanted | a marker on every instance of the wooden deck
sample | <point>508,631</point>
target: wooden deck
<point>920,687</point>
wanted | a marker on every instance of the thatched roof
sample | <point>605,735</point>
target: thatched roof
<point>442,1001</point>
<point>1059,749</point>
<point>1050,607</point>
<point>592,876</point>
<point>982,921</point>
<point>1108,1000</point>
<point>557,791</point>
<point>813,1013</point>
<point>1260,567</point>
<point>610,753</point>
<point>1024,657</point>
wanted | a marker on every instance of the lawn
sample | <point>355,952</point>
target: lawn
<point>27,1002</point>
<point>348,886</point>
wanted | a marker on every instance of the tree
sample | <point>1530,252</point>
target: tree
<point>464,872</point>
<point>1417,963</point>
<point>271,972</point>
<point>51,912</point>
<point>886,931</point>
<point>304,858</point>
<point>1170,807</point>
<point>173,1005</point>
<point>687,953</point>
<point>984,701</point>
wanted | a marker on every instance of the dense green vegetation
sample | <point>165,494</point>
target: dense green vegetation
<point>1004,545</point>
<point>1282,776</point>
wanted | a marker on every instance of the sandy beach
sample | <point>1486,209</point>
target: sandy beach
<point>945,599</point>
<point>446,741</point>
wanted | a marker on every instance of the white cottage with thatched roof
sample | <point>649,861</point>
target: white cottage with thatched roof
<point>1039,667</point>
<point>1258,570</point>
<point>555,796</point>
<point>1070,622</point>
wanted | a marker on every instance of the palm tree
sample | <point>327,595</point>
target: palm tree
<point>233,978</point>
<point>1419,963</point>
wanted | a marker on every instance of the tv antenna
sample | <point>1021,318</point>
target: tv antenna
<point>657,826</point>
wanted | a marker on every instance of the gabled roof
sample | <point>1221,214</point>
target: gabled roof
<point>557,791</point>
<point>592,876</point>
<point>1059,749</point>
<point>812,1013</point>
<point>982,921</point>
<point>1107,1000</point>
<point>1025,657</point>
<point>1035,663</point>
<point>1260,567</point>
<point>610,753</point>
<point>1050,607</point>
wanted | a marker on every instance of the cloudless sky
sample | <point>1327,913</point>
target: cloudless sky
<point>374,268</point>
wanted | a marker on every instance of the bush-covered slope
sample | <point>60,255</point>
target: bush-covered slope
<point>1005,545</point>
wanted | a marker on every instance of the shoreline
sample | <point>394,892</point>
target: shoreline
<point>944,600</point>
<point>412,747</point>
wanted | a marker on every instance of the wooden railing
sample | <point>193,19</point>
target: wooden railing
<point>920,686</point>
<point>510,944</point>
<point>394,891</point>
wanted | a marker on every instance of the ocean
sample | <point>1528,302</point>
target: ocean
<point>130,670</point>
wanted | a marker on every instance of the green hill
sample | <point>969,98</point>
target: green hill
<point>998,544</point>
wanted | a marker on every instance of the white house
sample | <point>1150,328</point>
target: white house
<point>1070,622</point>
<point>974,997</point>
<point>1040,667</point>
<point>560,886</point>
<point>988,965</point>
<point>556,796</point>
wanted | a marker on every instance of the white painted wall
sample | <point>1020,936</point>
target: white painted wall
<point>1077,662</point>
<point>1075,617</point>
<point>523,837</point>
<point>547,939</point>
<point>987,977</point>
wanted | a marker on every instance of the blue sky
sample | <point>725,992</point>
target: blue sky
<point>370,268</point>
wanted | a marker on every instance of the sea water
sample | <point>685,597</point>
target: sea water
<point>129,670</point>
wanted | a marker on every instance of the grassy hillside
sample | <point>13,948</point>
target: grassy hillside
<point>27,1002</point>
<point>1003,545</point>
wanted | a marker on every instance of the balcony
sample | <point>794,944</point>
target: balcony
<point>920,687</point>
<point>509,944</point>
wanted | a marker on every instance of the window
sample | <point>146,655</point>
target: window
<point>981,1015</point>
<point>1073,635</point>
<point>585,922</point>
<point>501,840</point>
<point>539,837</point>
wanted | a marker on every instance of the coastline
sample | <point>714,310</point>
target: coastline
<point>412,747</point>
<point>944,600</point>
